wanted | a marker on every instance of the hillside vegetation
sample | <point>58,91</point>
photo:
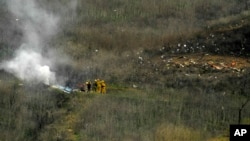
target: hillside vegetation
<point>175,70</point>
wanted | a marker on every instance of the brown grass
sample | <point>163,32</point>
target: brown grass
<point>169,132</point>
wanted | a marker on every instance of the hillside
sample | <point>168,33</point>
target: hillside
<point>175,70</point>
<point>220,51</point>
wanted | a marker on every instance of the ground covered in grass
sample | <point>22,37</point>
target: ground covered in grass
<point>175,70</point>
<point>132,114</point>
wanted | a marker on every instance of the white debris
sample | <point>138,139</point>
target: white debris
<point>20,84</point>
<point>212,35</point>
<point>135,86</point>
<point>163,48</point>
<point>181,65</point>
<point>192,61</point>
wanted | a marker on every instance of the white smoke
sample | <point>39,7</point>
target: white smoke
<point>38,26</point>
<point>28,65</point>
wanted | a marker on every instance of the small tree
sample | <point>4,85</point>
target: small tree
<point>244,92</point>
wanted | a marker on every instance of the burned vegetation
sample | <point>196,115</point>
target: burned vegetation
<point>175,70</point>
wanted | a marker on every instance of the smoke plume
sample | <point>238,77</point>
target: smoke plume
<point>37,25</point>
<point>30,66</point>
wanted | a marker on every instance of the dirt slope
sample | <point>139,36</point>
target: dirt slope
<point>216,54</point>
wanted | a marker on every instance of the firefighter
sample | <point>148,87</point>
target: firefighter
<point>88,83</point>
<point>95,86</point>
<point>103,87</point>
<point>98,88</point>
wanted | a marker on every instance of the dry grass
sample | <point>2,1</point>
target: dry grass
<point>169,132</point>
<point>219,139</point>
<point>105,40</point>
<point>122,114</point>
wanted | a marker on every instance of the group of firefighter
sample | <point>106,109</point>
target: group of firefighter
<point>98,86</point>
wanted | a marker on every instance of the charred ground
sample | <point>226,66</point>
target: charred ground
<point>216,54</point>
<point>188,86</point>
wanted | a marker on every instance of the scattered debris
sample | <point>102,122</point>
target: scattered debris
<point>207,62</point>
<point>135,86</point>
<point>62,88</point>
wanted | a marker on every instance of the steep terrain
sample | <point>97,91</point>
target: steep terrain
<point>215,54</point>
<point>175,70</point>
<point>199,82</point>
